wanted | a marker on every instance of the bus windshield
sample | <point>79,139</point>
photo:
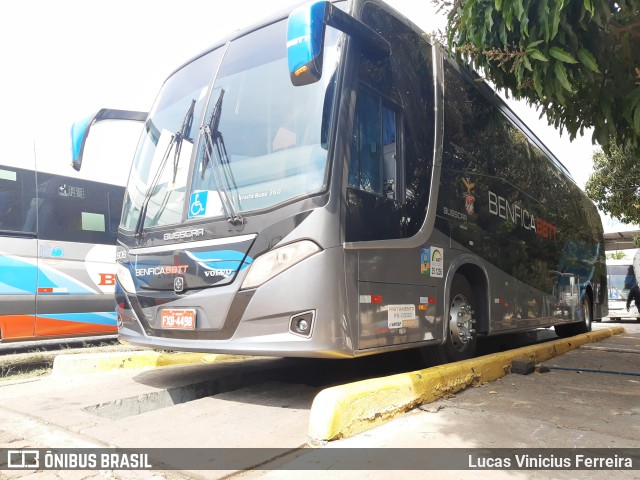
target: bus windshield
<point>621,279</point>
<point>269,143</point>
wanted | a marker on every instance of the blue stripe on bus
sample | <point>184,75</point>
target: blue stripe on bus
<point>19,277</point>
<point>97,318</point>
<point>50,278</point>
<point>222,259</point>
<point>12,290</point>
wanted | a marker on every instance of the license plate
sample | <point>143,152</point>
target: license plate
<point>178,318</point>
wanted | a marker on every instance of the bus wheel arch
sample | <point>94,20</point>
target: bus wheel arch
<point>461,334</point>
<point>584,326</point>
<point>477,279</point>
<point>466,314</point>
<point>587,308</point>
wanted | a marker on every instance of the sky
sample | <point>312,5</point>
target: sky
<point>65,59</point>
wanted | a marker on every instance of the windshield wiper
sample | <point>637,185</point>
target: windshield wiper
<point>215,153</point>
<point>176,140</point>
<point>183,135</point>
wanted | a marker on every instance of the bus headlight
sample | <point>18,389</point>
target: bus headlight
<point>276,261</point>
<point>124,278</point>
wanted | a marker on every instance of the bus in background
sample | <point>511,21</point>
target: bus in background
<point>57,251</point>
<point>330,184</point>
<point>620,278</point>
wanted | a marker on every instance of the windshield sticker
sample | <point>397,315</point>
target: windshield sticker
<point>205,203</point>
<point>432,262</point>
<point>198,204</point>
<point>272,192</point>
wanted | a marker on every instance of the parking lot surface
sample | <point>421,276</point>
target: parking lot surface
<point>589,398</point>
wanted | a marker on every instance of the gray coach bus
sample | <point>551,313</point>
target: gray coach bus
<point>330,184</point>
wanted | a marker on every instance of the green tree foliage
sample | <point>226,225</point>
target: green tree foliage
<point>614,183</point>
<point>579,60</point>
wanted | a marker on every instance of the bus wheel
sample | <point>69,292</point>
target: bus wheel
<point>581,327</point>
<point>461,333</point>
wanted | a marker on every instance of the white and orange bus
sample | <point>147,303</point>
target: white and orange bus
<point>57,250</point>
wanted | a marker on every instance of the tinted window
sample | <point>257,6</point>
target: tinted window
<point>621,279</point>
<point>76,210</point>
<point>373,165</point>
<point>392,138</point>
<point>160,161</point>
<point>497,179</point>
<point>494,185</point>
<point>17,191</point>
<point>271,142</point>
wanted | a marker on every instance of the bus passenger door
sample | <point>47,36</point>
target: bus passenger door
<point>18,252</point>
<point>374,212</point>
<point>394,306</point>
<point>388,187</point>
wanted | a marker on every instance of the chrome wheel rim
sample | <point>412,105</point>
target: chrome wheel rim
<point>461,323</point>
<point>586,312</point>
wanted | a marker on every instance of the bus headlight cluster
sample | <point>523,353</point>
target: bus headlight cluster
<point>276,261</point>
<point>124,278</point>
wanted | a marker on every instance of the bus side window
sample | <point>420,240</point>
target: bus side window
<point>17,188</point>
<point>9,213</point>
<point>373,166</point>
<point>73,210</point>
<point>389,152</point>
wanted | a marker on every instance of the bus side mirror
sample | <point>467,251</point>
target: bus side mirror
<point>305,42</point>
<point>305,38</point>
<point>80,129</point>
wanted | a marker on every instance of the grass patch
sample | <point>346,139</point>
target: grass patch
<point>39,362</point>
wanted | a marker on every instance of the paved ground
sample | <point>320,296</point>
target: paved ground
<point>262,404</point>
<point>568,407</point>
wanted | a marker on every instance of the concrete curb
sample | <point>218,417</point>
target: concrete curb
<point>345,410</point>
<point>75,364</point>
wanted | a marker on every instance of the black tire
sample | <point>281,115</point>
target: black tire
<point>462,338</point>
<point>581,327</point>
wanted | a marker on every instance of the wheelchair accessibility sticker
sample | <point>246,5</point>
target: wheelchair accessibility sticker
<point>198,204</point>
<point>205,203</point>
